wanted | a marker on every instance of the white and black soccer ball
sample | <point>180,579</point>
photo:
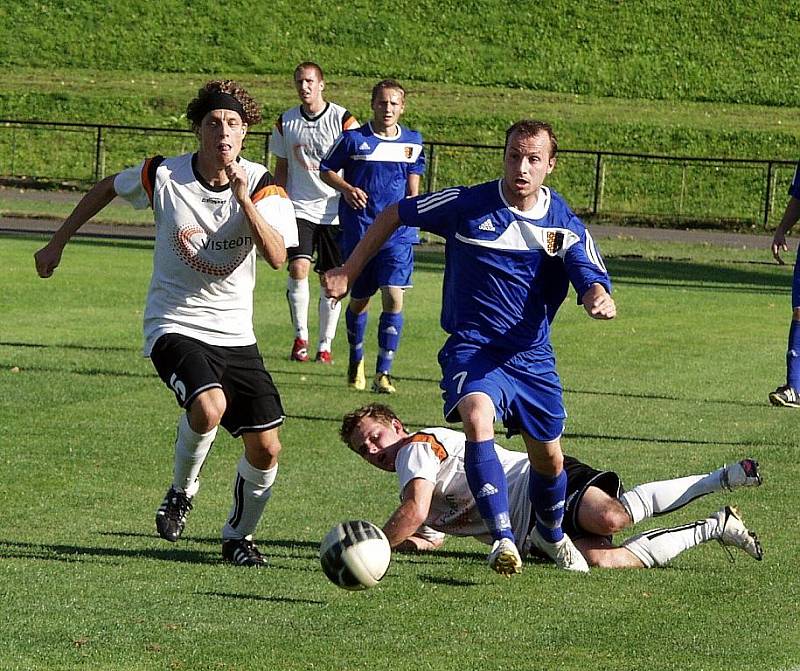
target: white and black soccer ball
<point>355,555</point>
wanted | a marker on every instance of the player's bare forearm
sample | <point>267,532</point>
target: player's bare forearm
<point>790,217</point>
<point>411,513</point>
<point>386,223</point>
<point>598,303</point>
<point>353,196</point>
<point>418,544</point>
<point>49,256</point>
<point>412,185</point>
<point>266,239</point>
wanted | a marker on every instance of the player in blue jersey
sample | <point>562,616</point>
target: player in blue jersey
<point>788,395</point>
<point>513,246</point>
<point>381,163</point>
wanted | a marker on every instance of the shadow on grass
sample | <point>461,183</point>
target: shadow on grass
<point>260,597</point>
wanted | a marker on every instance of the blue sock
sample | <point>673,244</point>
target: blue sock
<point>390,327</point>
<point>547,496</point>
<point>488,485</point>
<point>793,356</point>
<point>356,328</point>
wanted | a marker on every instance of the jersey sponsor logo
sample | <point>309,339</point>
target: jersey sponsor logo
<point>214,201</point>
<point>206,254</point>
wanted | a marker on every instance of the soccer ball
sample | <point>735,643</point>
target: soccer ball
<point>355,555</point>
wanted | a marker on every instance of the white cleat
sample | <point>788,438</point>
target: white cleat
<point>742,474</point>
<point>734,533</point>
<point>563,553</point>
<point>504,558</point>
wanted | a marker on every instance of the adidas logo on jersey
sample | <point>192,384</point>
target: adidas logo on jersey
<point>363,146</point>
<point>487,226</point>
<point>488,489</point>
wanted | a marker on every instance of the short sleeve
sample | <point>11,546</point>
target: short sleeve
<point>416,460</point>
<point>129,186</point>
<point>274,205</point>
<point>277,145</point>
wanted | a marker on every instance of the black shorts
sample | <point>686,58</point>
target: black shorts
<point>579,478</point>
<point>189,367</point>
<point>316,240</point>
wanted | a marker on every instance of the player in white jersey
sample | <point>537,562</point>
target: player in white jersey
<point>436,499</point>
<point>212,211</point>
<point>301,137</point>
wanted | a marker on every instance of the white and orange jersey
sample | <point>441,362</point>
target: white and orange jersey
<point>437,455</point>
<point>204,261</point>
<point>303,141</point>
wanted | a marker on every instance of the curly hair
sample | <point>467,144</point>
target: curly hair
<point>379,412</point>
<point>196,109</point>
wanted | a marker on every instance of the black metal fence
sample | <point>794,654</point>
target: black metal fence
<point>728,192</point>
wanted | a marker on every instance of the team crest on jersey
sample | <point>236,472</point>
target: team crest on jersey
<point>409,151</point>
<point>555,241</point>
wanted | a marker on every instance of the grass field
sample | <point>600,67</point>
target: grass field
<point>676,384</point>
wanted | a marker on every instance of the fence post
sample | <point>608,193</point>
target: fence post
<point>767,194</point>
<point>265,154</point>
<point>598,183</point>
<point>98,151</point>
<point>431,178</point>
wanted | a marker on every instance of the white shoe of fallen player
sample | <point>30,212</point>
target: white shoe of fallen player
<point>564,553</point>
<point>733,532</point>
<point>504,558</point>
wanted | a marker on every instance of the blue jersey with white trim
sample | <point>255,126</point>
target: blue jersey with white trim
<point>506,271</point>
<point>380,167</point>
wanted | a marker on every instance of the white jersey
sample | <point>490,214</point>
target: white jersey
<point>303,141</point>
<point>437,455</point>
<point>204,261</point>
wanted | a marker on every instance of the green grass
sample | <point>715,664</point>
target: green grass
<point>676,384</point>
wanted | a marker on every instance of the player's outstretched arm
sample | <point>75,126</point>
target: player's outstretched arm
<point>410,514</point>
<point>338,281</point>
<point>598,303</point>
<point>49,256</point>
<point>790,217</point>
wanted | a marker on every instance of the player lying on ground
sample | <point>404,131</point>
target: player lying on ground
<point>436,499</point>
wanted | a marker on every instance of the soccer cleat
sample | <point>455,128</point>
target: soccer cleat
<point>383,384</point>
<point>299,350</point>
<point>742,474</point>
<point>785,396</point>
<point>323,357</point>
<point>356,379</point>
<point>171,516</point>
<point>242,552</point>
<point>504,558</point>
<point>734,533</point>
<point>563,553</point>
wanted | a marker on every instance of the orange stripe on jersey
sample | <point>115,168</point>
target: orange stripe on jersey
<point>350,123</point>
<point>435,445</point>
<point>146,182</point>
<point>271,190</point>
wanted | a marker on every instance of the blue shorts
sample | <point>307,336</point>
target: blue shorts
<point>524,387</point>
<point>388,268</point>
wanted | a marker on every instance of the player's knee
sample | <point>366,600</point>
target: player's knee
<point>796,314</point>
<point>207,410</point>
<point>612,519</point>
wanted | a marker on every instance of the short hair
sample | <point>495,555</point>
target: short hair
<point>379,412</point>
<point>196,109</point>
<point>386,84</point>
<point>310,65</point>
<point>531,127</point>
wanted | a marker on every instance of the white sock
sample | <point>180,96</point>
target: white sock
<point>191,450</point>
<point>659,546</point>
<point>252,488</point>
<point>297,294</point>
<point>329,311</point>
<point>657,498</point>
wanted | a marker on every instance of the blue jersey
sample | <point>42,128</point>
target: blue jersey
<point>794,189</point>
<point>380,167</point>
<point>506,271</point>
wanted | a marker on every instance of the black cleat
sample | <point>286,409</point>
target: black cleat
<point>171,516</point>
<point>242,552</point>
<point>785,397</point>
